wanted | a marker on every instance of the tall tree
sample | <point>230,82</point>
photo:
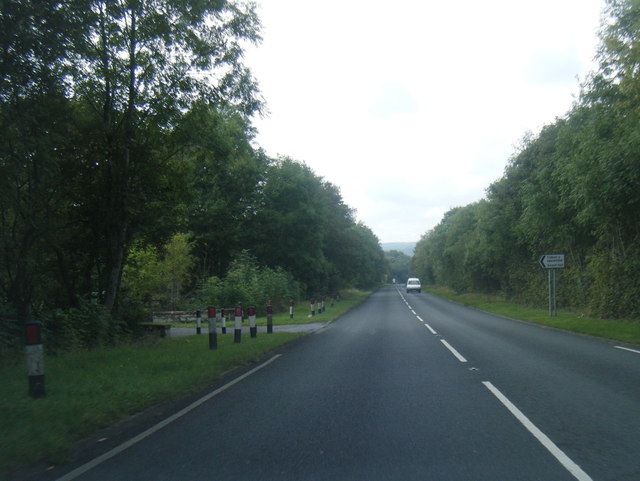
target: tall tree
<point>36,38</point>
<point>142,63</point>
<point>224,175</point>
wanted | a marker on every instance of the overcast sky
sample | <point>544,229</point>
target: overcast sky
<point>413,107</point>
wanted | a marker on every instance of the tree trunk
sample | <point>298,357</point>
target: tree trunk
<point>117,252</point>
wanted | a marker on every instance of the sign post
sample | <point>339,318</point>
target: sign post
<point>552,262</point>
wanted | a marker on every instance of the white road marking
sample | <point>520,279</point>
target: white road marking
<point>568,464</point>
<point>627,349</point>
<point>421,320</point>
<point>453,351</point>
<point>127,444</point>
<point>430,328</point>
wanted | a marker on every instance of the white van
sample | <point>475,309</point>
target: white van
<point>413,284</point>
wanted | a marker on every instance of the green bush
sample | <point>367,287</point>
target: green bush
<point>615,292</point>
<point>84,327</point>
<point>11,332</point>
<point>246,283</point>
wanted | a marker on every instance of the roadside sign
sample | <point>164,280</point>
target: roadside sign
<point>552,261</point>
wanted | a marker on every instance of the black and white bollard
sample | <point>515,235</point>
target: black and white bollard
<point>198,323</point>
<point>223,322</point>
<point>290,309</point>
<point>253,329</point>
<point>312,306</point>
<point>213,335</point>
<point>269,318</point>
<point>237,332</point>
<point>35,359</point>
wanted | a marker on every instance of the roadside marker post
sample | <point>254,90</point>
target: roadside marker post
<point>219,314</point>
<point>198,323</point>
<point>223,322</point>
<point>35,359</point>
<point>312,306</point>
<point>213,335</point>
<point>269,318</point>
<point>290,309</point>
<point>253,329</point>
<point>237,332</point>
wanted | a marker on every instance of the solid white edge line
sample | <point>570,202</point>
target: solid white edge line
<point>568,464</point>
<point>627,349</point>
<point>127,444</point>
<point>453,351</point>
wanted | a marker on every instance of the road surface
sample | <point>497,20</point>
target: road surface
<point>407,387</point>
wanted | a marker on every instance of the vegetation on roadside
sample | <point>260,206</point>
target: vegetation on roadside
<point>91,389</point>
<point>399,265</point>
<point>130,180</point>
<point>574,188</point>
<point>616,329</point>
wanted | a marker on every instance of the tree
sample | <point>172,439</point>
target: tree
<point>399,265</point>
<point>141,64</point>
<point>223,182</point>
<point>289,224</point>
<point>36,121</point>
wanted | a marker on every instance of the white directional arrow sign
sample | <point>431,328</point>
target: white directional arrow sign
<point>552,261</point>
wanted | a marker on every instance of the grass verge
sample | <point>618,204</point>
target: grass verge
<point>90,390</point>
<point>616,329</point>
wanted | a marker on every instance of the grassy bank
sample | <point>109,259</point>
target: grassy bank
<point>90,390</point>
<point>620,330</point>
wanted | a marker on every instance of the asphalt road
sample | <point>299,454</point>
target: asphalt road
<point>415,389</point>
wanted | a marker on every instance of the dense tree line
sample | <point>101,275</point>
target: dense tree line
<point>399,265</point>
<point>574,188</point>
<point>129,174</point>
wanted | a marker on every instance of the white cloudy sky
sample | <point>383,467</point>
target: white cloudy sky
<point>413,107</point>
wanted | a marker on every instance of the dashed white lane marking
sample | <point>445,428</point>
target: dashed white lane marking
<point>453,351</point>
<point>568,464</point>
<point>418,317</point>
<point>627,349</point>
<point>430,328</point>
<point>127,444</point>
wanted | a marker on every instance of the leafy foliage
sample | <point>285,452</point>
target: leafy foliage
<point>399,265</point>
<point>573,188</point>
<point>129,178</point>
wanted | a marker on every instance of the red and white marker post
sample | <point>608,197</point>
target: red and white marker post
<point>237,331</point>
<point>213,335</point>
<point>35,359</point>
<point>269,318</point>
<point>223,322</point>
<point>253,329</point>
<point>312,306</point>
<point>290,309</point>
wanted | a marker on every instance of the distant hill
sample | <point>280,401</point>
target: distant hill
<point>404,247</point>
